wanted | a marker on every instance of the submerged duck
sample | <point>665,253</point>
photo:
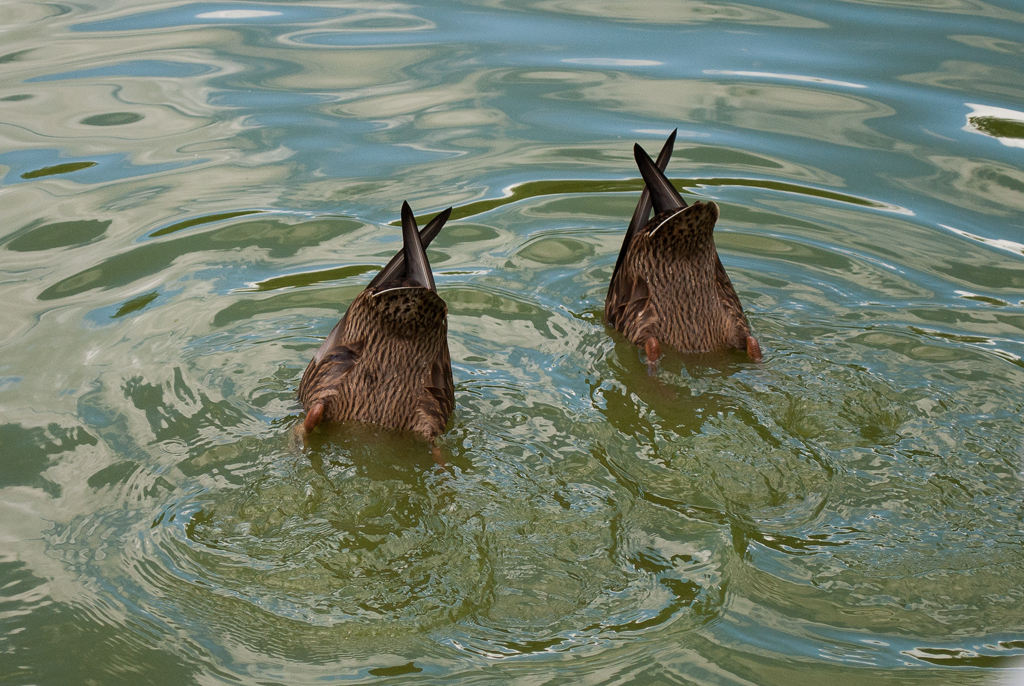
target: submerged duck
<point>669,286</point>
<point>387,362</point>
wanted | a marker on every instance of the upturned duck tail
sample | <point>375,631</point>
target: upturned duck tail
<point>395,269</point>
<point>643,208</point>
<point>417,268</point>
<point>664,195</point>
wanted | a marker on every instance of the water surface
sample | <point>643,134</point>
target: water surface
<point>193,193</point>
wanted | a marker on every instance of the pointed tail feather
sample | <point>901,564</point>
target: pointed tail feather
<point>643,208</point>
<point>663,194</point>
<point>417,268</point>
<point>395,269</point>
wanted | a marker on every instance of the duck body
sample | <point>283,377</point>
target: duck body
<point>673,287</point>
<point>387,361</point>
<point>669,285</point>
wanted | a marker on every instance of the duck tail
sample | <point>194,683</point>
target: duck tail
<point>643,208</point>
<point>417,267</point>
<point>664,195</point>
<point>395,269</point>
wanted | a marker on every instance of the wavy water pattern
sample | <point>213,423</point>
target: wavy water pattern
<point>193,193</point>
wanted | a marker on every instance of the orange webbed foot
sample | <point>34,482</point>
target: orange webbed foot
<point>435,452</point>
<point>301,431</point>
<point>653,350</point>
<point>313,417</point>
<point>754,349</point>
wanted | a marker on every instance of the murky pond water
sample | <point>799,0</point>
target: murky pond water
<point>192,193</point>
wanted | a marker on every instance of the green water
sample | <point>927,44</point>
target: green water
<point>193,193</point>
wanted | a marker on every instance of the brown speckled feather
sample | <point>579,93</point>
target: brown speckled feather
<point>670,284</point>
<point>387,361</point>
<point>630,308</point>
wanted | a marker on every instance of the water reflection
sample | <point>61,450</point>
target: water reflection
<point>56,235</point>
<point>1005,125</point>
<point>787,77</point>
<point>630,394</point>
<point>193,194</point>
<point>688,12</point>
<point>278,238</point>
<point>823,115</point>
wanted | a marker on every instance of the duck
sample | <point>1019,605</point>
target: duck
<point>668,286</point>
<point>386,362</point>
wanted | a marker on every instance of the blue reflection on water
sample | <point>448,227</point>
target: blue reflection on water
<point>141,68</point>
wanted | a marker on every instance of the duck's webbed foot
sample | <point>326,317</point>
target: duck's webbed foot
<point>653,350</point>
<point>313,417</point>
<point>754,349</point>
<point>435,452</point>
<point>301,431</point>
